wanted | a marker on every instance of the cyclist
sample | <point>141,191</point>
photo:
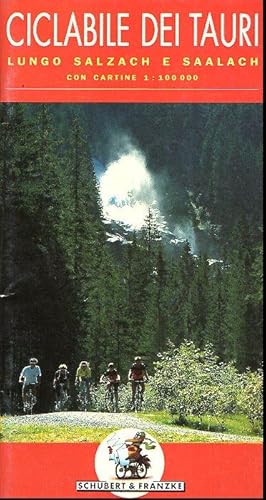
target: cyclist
<point>137,374</point>
<point>83,374</point>
<point>112,378</point>
<point>30,377</point>
<point>61,376</point>
<point>134,446</point>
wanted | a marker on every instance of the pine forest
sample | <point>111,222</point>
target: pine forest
<point>180,266</point>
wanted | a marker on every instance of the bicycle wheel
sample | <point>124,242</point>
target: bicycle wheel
<point>82,402</point>
<point>138,398</point>
<point>85,402</point>
<point>63,399</point>
<point>120,471</point>
<point>86,396</point>
<point>31,401</point>
<point>109,400</point>
<point>115,398</point>
<point>141,471</point>
<point>26,407</point>
<point>83,397</point>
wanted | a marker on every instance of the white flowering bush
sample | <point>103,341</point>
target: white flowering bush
<point>191,382</point>
<point>250,398</point>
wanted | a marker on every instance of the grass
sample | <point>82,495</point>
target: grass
<point>231,424</point>
<point>14,433</point>
<point>35,433</point>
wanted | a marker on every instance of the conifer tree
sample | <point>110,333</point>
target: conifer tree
<point>216,299</point>
<point>199,301</point>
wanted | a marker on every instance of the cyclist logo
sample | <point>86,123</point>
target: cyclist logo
<point>130,456</point>
<point>129,459</point>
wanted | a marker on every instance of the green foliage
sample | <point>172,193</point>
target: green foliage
<point>189,381</point>
<point>217,294</point>
<point>250,398</point>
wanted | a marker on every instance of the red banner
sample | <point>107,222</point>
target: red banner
<point>208,470</point>
<point>124,51</point>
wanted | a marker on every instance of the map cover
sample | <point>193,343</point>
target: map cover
<point>131,249</point>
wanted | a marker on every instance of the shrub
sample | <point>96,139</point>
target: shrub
<point>189,381</point>
<point>250,399</point>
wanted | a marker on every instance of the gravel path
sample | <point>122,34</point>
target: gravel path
<point>118,420</point>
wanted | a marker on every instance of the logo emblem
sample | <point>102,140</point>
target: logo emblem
<point>132,460</point>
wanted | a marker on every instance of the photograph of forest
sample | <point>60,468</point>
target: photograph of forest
<point>134,229</point>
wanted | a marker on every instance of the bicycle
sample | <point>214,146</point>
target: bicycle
<point>83,395</point>
<point>138,399</point>
<point>111,398</point>
<point>137,468</point>
<point>30,401</point>
<point>61,402</point>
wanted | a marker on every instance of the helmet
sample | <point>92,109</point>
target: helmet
<point>84,363</point>
<point>137,358</point>
<point>111,365</point>
<point>63,366</point>
<point>34,360</point>
<point>140,435</point>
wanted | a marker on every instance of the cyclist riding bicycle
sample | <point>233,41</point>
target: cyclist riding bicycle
<point>61,376</point>
<point>30,377</point>
<point>137,375</point>
<point>83,373</point>
<point>112,378</point>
